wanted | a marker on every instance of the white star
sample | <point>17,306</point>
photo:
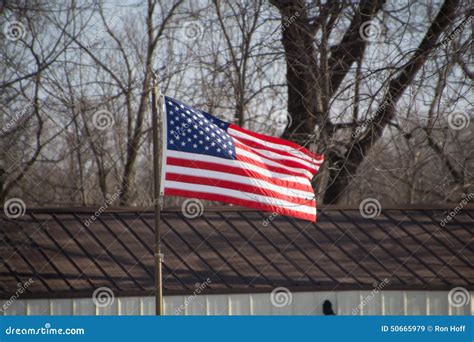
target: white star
<point>195,136</point>
<point>207,138</point>
<point>218,150</point>
<point>201,142</point>
<point>171,142</point>
<point>189,139</point>
<point>213,143</point>
<point>183,143</point>
<point>206,148</point>
<point>201,132</point>
<point>213,135</point>
<point>195,146</point>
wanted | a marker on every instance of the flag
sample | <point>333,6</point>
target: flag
<point>207,158</point>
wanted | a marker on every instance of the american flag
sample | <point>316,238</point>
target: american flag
<point>207,158</point>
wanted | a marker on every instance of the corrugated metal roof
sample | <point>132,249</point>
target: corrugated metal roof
<point>235,250</point>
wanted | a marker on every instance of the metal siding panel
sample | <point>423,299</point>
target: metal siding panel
<point>304,303</point>
<point>38,307</point>
<point>260,304</point>
<point>174,305</point>
<point>83,306</point>
<point>129,306</point>
<point>437,303</point>
<point>415,302</point>
<point>148,306</point>
<point>198,306</point>
<point>239,304</point>
<point>61,306</point>
<point>370,303</point>
<point>217,305</point>
<point>18,307</point>
<point>108,310</point>
<point>393,303</point>
<point>346,301</point>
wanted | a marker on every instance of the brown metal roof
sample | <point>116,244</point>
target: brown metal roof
<point>235,250</point>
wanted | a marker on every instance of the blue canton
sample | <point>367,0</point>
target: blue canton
<point>194,131</point>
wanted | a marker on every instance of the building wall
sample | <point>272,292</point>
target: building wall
<point>301,303</point>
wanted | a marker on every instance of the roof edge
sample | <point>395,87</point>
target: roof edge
<point>229,208</point>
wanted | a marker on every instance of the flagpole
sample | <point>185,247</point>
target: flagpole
<point>155,107</point>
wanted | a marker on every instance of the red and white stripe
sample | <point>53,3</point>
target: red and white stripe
<point>268,174</point>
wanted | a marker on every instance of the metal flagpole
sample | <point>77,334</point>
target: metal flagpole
<point>155,107</point>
